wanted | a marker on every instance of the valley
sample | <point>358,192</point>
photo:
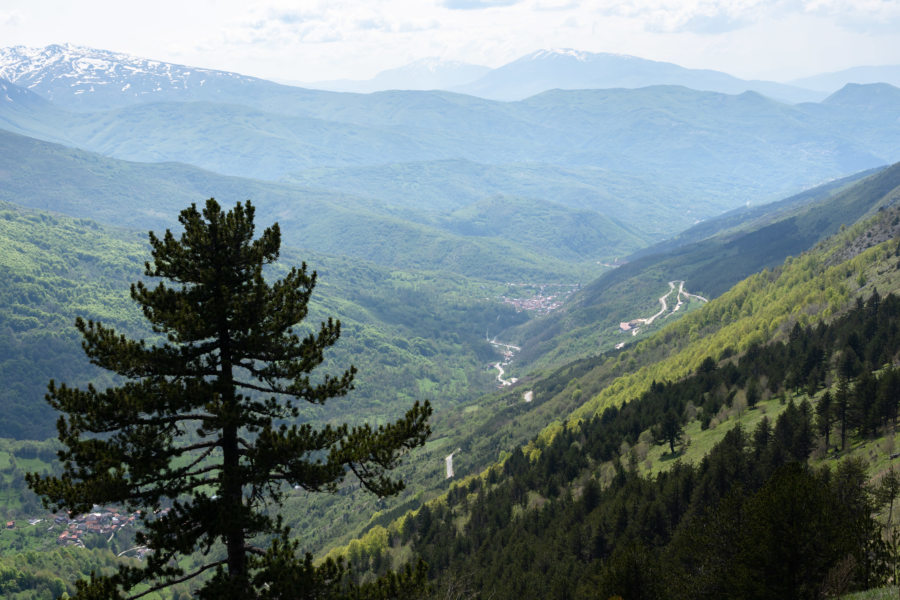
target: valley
<point>643,314</point>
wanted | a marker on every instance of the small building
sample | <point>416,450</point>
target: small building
<point>10,524</point>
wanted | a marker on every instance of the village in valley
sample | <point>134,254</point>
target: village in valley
<point>105,522</point>
<point>541,298</point>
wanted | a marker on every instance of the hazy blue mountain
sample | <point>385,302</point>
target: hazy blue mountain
<point>422,74</point>
<point>27,113</point>
<point>830,82</point>
<point>442,186</point>
<point>671,154</point>
<point>574,70</point>
<point>727,149</point>
<point>870,97</point>
<point>45,176</point>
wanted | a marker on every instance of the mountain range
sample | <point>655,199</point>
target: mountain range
<point>674,154</point>
<point>569,69</point>
<point>565,68</point>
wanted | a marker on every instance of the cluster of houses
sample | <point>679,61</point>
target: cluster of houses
<point>540,302</point>
<point>103,522</point>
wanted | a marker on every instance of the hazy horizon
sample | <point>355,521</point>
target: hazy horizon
<point>347,39</point>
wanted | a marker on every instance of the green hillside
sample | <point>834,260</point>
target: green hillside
<point>486,430</point>
<point>761,238</point>
<point>411,334</point>
<point>760,337</point>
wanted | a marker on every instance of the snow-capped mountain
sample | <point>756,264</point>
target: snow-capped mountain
<point>423,74</point>
<point>567,69</point>
<point>83,78</point>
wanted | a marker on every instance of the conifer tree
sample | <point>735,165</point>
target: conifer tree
<point>201,436</point>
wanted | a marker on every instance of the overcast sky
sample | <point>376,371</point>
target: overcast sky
<point>311,40</point>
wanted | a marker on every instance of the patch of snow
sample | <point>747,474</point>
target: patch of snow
<point>578,55</point>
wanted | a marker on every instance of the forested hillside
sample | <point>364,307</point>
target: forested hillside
<point>710,259</point>
<point>580,519</point>
<point>621,500</point>
<point>480,432</point>
<point>411,334</point>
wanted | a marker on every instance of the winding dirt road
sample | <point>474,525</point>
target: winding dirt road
<point>664,304</point>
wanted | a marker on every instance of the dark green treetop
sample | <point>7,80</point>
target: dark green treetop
<point>202,425</point>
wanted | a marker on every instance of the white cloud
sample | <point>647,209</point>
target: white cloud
<point>477,4</point>
<point>859,15</point>
<point>10,18</point>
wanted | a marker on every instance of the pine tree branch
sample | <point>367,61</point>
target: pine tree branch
<point>172,582</point>
<point>174,419</point>
<point>170,476</point>
<point>272,389</point>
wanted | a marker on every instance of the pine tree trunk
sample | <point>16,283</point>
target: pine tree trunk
<point>232,489</point>
<point>233,500</point>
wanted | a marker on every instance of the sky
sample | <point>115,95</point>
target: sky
<point>316,40</point>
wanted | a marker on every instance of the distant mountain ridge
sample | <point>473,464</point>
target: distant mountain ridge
<point>565,68</point>
<point>828,82</point>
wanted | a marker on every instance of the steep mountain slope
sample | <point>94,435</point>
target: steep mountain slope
<point>578,402</point>
<point>708,267</point>
<point>721,523</point>
<point>567,69</point>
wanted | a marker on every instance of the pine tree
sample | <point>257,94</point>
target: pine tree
<point>199,437</point>
<point>670,430</point>
<point>825,417</point>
